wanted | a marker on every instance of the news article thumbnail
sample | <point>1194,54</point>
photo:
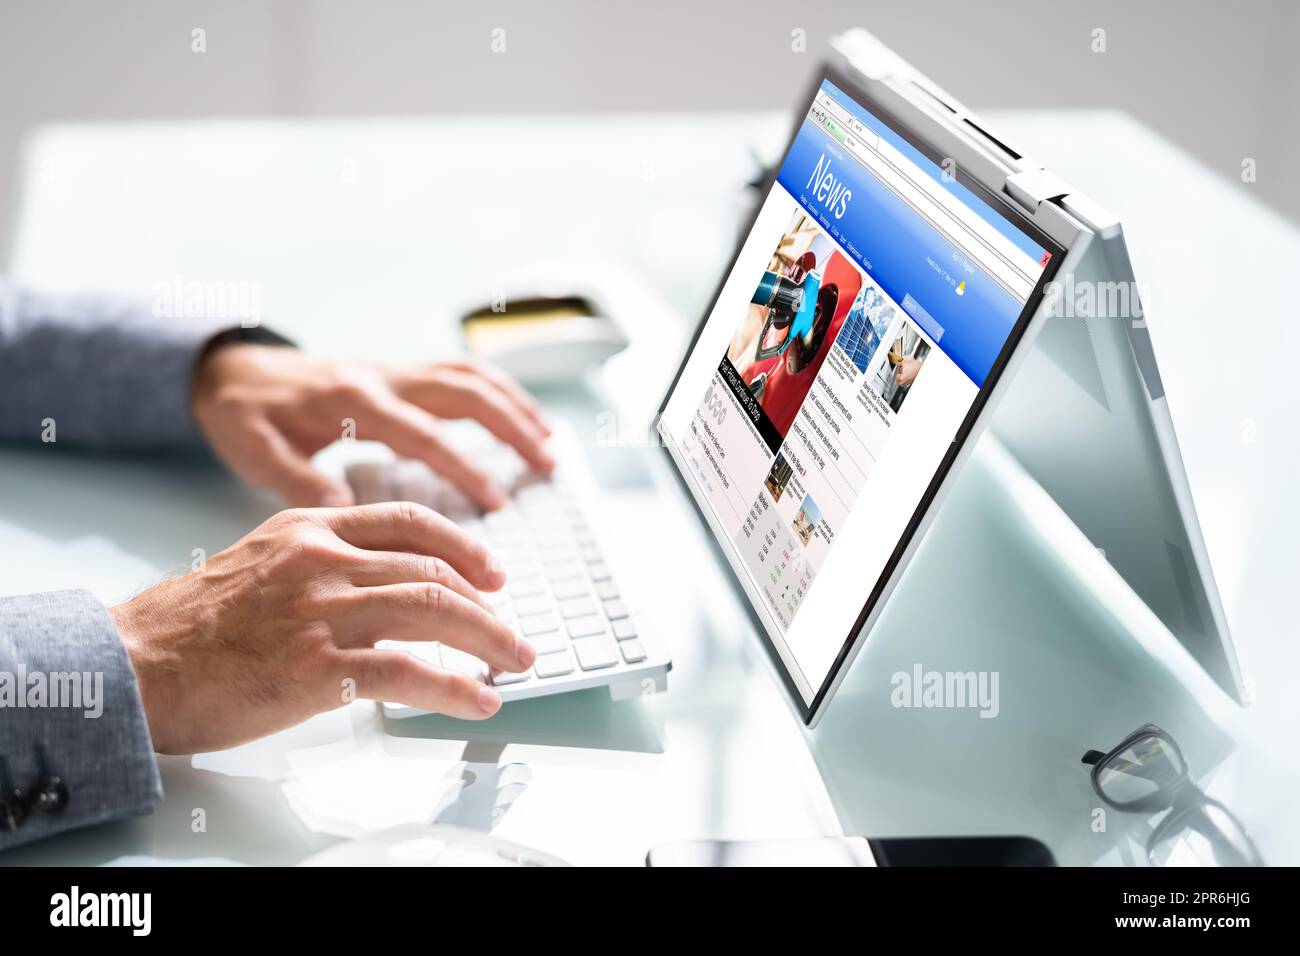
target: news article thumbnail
<point>806,519</point>
<point>898,367</point>
<point>799,305</point>
<point>780,475</point>
<point>867,325</point>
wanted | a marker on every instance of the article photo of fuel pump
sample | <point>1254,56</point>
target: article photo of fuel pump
<point>799,304</point>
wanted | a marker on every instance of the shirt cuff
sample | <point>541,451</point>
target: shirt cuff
<point>70,706</point>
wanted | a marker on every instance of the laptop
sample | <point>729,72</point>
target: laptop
<point>907,281</point>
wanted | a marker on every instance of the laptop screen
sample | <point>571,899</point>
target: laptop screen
<point>869,308</point>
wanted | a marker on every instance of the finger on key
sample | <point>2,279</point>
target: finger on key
<point>375,568</point>
<point>406,526</point>
<point>465,395</point>
<point>400,678</point>
<point>508,387</point>
<point>411,431</point>
<point>428,612</point>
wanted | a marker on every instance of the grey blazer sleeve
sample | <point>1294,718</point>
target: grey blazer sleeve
<point>95,371</point>
<point>69,701</point>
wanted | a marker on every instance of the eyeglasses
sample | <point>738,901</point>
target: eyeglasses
<point>1147,773</point>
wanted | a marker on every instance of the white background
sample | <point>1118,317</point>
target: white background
<point>1217,78</point>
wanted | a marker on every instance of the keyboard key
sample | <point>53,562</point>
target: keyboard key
<point>599,572</point>
<point>538,624</point>
<point>625,629</point>
<point>586,626</point>
<point>528,586</point>
<point>503,538</point>
<point>615,610</point>
<point>606,590</point>
<point>548,642</point>
<point>518,570</point>
<point>555,552</point>
<point>502,518</point>
<point>547,526</point>
<point>540,494</point>
<point>591,555</point>
<point>548,520</point>
<point>533,605</point>
<point>595,653</point>
<point>498,599</point>
<point>632,650</point>
<point>554,665</point>
<point>573,588</point>
<point>521,549</point>
<point>562,570</point>
<point>508,677</point>
<point>467,664</point>
<point>577,607</point>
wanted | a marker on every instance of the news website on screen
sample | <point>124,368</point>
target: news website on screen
<point>865,310</point>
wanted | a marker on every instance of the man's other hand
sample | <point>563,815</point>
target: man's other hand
<point>265,410</point>
<point>283,624</point>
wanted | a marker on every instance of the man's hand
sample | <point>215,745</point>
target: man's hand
<point>282,625</point>
<point>265,410</point>
<point>907,371</point>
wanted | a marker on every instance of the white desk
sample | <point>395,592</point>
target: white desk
<point>350,229</point>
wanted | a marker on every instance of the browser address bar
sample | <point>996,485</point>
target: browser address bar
<point>1000,258</point>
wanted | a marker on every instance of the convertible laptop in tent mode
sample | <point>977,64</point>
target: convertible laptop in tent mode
<point>905,274</point>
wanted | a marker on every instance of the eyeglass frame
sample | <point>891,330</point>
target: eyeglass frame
<point>1180,797</point>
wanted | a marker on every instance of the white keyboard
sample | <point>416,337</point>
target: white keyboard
<point>561,593</point>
